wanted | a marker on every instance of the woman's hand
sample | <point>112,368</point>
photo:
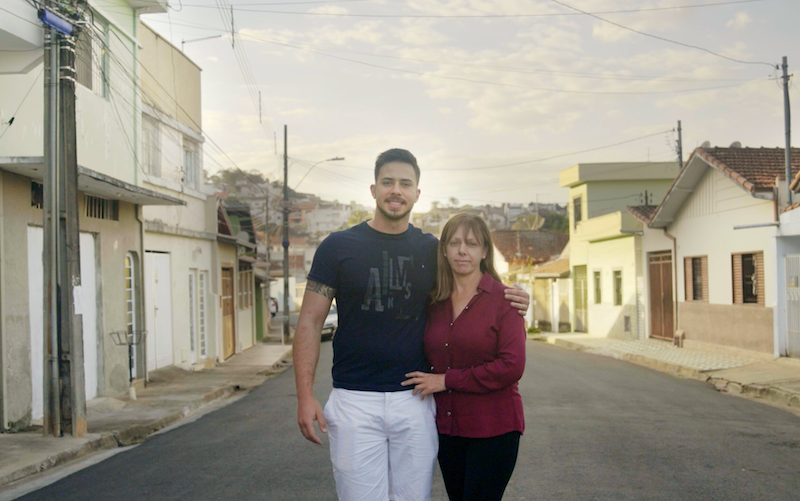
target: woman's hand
<point>425,383</point>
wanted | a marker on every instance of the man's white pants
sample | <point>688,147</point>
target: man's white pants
<point>383,445</point>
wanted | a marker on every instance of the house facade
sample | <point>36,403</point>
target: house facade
<point>179,295</point>
<point>111,200</point>
<point>720,216</point>
<point>604,248</point>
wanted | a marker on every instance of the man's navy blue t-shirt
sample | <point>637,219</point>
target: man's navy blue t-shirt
<point>382,284</point>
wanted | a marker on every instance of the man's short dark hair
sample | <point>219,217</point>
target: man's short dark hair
<point>396,155</point>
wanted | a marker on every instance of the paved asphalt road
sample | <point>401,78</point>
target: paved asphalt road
<point>598,428</point>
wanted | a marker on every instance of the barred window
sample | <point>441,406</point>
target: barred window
<point>91,60</point>
<point>191,163</point>
<point>101,208</point>
<point>245,289</point>
<point>151,145</point>
<point>695,271</point>
<point>748,278</point>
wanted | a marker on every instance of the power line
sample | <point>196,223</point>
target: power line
<point>498,84</point>
<point>13,115</point>
<point>482,16</point>
<point>511,69</point>
<point>559,2</point>
<point>544,159</point>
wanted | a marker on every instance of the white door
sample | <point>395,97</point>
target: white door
<point>36,312</point>
<point>89,304</point>
<point>158,310</point>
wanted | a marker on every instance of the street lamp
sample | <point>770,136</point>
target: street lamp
<point>334,159</point>
<point>184,42</point>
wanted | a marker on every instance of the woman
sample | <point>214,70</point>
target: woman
<point>475,344</point>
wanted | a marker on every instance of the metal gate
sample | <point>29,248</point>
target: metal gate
<point>793,306</point>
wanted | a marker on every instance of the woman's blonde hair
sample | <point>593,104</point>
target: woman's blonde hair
<point>444,275</point>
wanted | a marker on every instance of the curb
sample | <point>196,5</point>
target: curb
<point>757,391</point>
<point>129,436</point>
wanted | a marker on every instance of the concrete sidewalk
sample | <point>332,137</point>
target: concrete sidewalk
<point>171,395</point>
<point>748,374</point>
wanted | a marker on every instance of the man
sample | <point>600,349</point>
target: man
<point>383,440</point>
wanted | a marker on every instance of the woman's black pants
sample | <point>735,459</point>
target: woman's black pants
<point>477,469</point>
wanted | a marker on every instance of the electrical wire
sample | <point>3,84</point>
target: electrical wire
<point>500,84</point>
<point>14,115</point>
<point>663,39</point>
<point>482,16</point>
<point>600,76</point>
<point>544,159</point>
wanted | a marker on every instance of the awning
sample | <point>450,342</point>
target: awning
<point>91,183</point>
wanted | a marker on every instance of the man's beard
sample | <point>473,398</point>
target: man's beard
<point>393,217</point>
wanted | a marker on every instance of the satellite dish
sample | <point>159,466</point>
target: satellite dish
<point>705,144</point>
<point>736,144</point>
<point>243,235</point>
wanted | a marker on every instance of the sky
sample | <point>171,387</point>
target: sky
<point>494,98</point>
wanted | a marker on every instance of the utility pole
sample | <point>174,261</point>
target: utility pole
<point>787,120</point>
<point>285,235</point>
<point>73,413</point>
<point>680,146</point>
<point>64,387</point>
<point>52,388</point>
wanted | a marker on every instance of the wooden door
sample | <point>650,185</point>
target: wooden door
<point>228,312</point>
<point>661,306</point>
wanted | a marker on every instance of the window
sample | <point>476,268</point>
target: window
<point>191,163</point>
<point>130,308</point>
<point>37,195</point>
<point>617,287</point>
<point>245,289</point>
<point>748,278</point>
<point>695,271</point>
<point>201,301</point>
<point>598,289</point>
<point>192,312</point>
<point>151,145</point>
<point>91,60</point>
<point>576,210</point>
<point>101,208</point>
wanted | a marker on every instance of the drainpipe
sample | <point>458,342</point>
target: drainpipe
<point>675,317</point>
<point>142,274</point>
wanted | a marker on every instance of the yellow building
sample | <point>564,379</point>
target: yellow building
<point>606,297</point>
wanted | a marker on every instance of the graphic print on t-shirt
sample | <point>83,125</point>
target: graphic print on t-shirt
<point>389,283</point>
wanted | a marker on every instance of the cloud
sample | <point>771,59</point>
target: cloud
<point>445,111</point>
<point>739,21</point>
<point>328,9</point>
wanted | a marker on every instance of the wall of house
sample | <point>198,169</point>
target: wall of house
<point>605,318</point>
<point>785,242</point>
<point>704,226</point>
<point>172,80</point>
<point>25,138</point>
<point>113,241</point>
<point>541,291</point>
<point>604,197</point>
<point>187,255</point>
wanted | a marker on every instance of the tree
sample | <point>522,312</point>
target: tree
<point>357,217</point>
<point>453,202</point>
<point>556,222</point>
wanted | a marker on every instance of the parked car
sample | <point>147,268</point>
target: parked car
<point>331,323</point>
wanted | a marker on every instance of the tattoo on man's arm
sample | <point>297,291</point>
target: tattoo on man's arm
<point>322,289</point>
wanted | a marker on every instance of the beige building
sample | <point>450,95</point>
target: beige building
<point>604,248</point>
<point>111,200</point>
<point>180,306</point>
